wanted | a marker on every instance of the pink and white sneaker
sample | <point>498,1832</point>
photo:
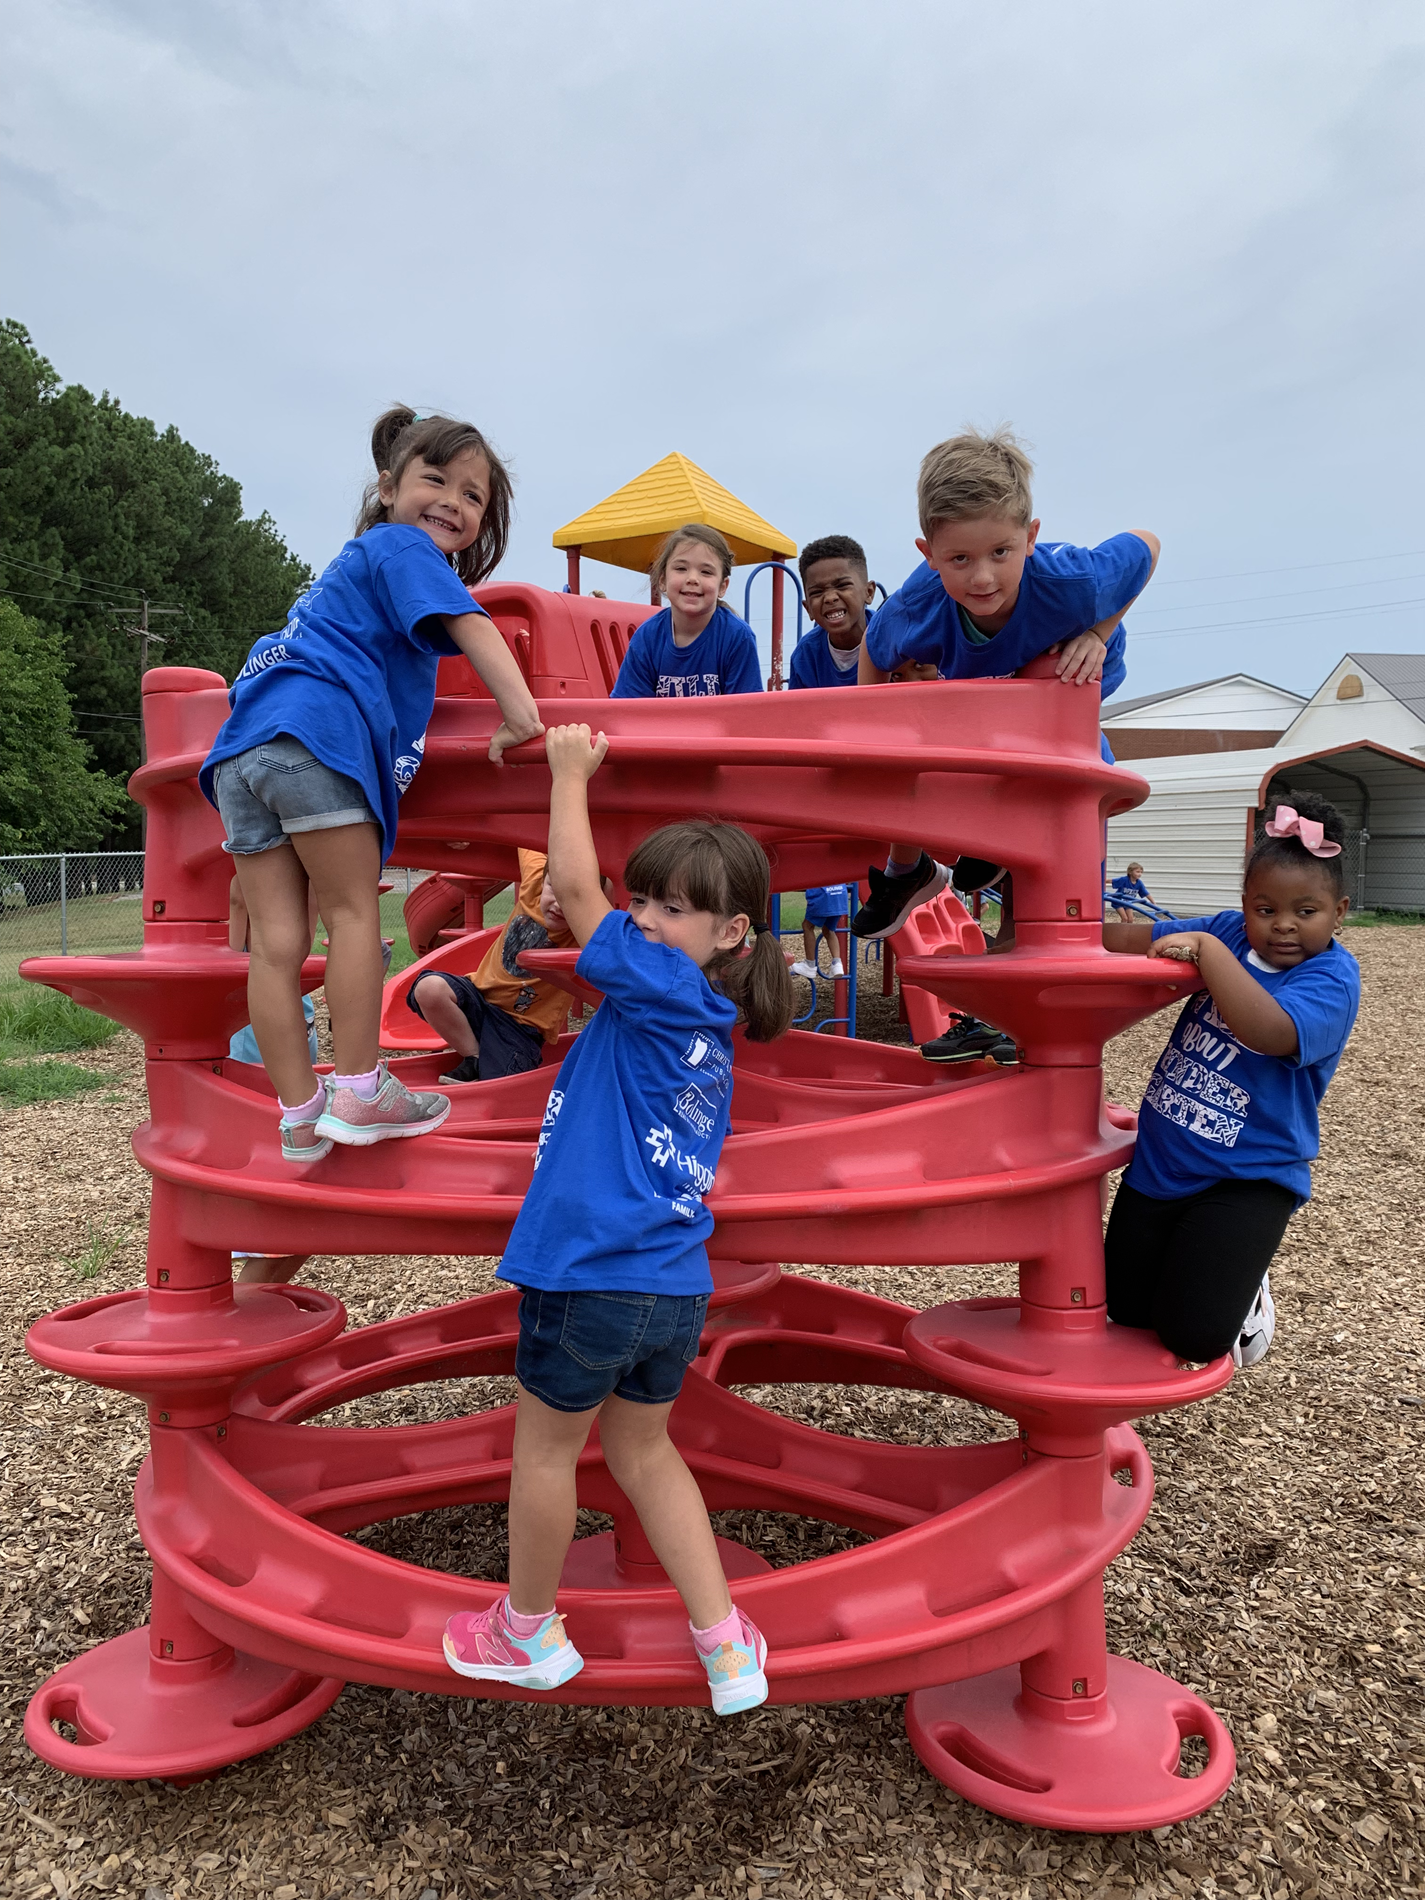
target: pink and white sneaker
<point>393,1112</point>
<point>481,1644</point>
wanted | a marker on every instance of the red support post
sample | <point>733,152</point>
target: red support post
<point>778,580</point>
<point>574,554</point>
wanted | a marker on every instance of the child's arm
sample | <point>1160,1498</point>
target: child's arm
<point>867,672</point>
<point>1246,1008</point>
<point>1134,940</point>
<point>482,643</point>
<point>1081,659</point>
<point>574,756</point>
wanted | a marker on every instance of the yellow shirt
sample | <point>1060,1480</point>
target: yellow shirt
<point>527,998</point>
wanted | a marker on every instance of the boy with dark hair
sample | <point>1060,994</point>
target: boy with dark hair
<point>838,596</point>
<point>988,598</point>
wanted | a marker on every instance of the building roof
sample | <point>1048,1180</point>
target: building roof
<point>1120,706</point>
<point>1401,674</point>
<point>627,528</point>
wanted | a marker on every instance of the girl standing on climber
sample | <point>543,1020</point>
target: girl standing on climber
<point>609,1247</point>
<point>326,731</point>
<point>1228,1126</point>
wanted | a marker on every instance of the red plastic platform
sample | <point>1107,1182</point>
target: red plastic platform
<point>980,1593</point>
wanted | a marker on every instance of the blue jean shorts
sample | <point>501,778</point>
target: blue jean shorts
<point>276,788</point>
<point>575,1349</point>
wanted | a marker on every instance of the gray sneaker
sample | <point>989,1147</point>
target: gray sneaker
<point>302,1142</point>
<point>1257,1329</point>
<point>392,1113</point>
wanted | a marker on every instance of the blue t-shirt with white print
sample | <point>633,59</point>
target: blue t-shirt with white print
<point>1214,1108</point>
<point>1064,591</point>
<point>634,1127</point>
<point>1126,886</point>
<point>813,664</point>
<point>723,659</point>
<point>352,674</point>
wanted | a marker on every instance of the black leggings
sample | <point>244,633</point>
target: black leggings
<point>1189,1270</point>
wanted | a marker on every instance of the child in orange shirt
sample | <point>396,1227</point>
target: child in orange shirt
<point>498,1018</point>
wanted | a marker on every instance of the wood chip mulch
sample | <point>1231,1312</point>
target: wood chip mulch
<point>1279,1576</point>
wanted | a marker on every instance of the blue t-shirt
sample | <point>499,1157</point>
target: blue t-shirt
<point>633,1130</point>
<point>352,674</point>
<point>1135,887</point>
<point>723,659</point>
<point>1213,1108</point>
<point>812,664</point>
<point>1064,591</point>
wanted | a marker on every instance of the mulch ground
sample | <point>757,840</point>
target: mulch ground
<point>1278,1576</point>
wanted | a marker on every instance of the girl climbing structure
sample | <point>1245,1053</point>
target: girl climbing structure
<point>980,1595</point>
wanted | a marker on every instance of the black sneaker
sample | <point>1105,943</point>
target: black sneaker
<point>894,898</point>
<point>975,874</point>
<point>466,1070</point>
<point>969,1040</point>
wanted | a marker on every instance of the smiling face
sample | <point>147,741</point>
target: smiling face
<point>837,596</point>
<point>449,503</point>
<point>1291,912</point>
<point>694,583</point>
<point>699,933</point>
<point>980,561</point>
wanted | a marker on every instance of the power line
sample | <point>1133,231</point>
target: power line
<point>1306,593</point>
<point>72,579</point>
<point>1267,620</point>
<point>1251,573</point>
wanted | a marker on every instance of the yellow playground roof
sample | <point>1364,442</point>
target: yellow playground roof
<point>627,528</point>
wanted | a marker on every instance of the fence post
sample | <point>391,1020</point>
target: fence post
<point>63,906</point>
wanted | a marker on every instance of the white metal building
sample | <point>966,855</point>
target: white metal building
<point>1233,714</point>
<point>1193,833</point>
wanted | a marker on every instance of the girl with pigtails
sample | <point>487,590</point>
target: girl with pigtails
<point>326,730</point>
<point>1228,1126</point>
<point>609,1248</point>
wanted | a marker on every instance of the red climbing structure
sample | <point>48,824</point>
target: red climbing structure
<point>981,1592</point>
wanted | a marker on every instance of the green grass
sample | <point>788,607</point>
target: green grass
<point>38,1021</point>
<point>1371,919</point>
<point>99,1249</point>
<point>25,1082</point>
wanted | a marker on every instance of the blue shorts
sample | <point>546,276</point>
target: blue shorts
<point>277,788</point>
<point>575,1349</point>
<point>507,1046</point>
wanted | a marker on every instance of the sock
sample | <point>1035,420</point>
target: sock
<point>364,1087</point>
<point>729,1630</point>
<point>521,1624</point>
<point>305,1111</point>
<point>893,869</point>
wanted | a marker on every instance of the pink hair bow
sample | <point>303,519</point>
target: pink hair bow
<point>1289,824</point>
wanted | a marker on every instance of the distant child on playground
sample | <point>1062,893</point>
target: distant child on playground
<point>989,598</point>
<point>695,647</point>
<point>498,1018</point>
<point>838,595</point>
<point>1130,885</point>
<point>609,1246</point>
<point>326,731</point>
<point>1228,1126</point>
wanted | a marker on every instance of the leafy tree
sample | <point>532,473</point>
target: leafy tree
<point>50,800</point>
<point>99,510</point>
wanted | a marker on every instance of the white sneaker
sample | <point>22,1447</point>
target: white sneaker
<point>837,969</point>
<point>802,968</point>
<point>1257,1329</point>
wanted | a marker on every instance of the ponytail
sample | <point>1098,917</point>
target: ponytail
<point>761,986</point>
<point>723,869</point>
<point>400,435</point>
<point>1290,850</point>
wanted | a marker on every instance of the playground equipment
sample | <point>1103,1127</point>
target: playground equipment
<point>981,1593</point>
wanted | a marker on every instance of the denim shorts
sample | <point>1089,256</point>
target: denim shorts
<point>278,787</point>
<point>577,1348</point>
<point>507,1046</point>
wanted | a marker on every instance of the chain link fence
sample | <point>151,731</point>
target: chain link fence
<point>63,903</point>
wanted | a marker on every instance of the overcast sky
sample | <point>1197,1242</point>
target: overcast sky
<point>1178,246</point>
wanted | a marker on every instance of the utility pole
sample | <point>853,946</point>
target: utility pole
<point>146,638</point>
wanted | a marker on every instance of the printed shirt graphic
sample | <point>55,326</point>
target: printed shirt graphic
<point>352,674</point>
<point>1132,887</point>
<point>1064,591</point>
<point>529,999</point>
<point>812,663</point>
<point>723,659</point>
<point>633,1130</point>
<point>1213,1108</point>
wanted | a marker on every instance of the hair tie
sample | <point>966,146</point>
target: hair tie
<point>1287,823</point>
<point>760,930</point>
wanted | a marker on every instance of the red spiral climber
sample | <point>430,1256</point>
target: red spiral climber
<point>981,1594</point>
